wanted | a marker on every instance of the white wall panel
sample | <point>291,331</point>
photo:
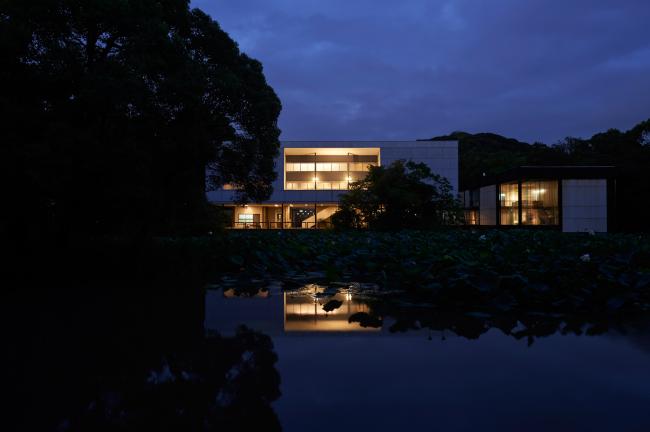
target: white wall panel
<point>488,205</point>
<point>584,205</point>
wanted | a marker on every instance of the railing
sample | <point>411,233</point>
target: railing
<point>281,225</point>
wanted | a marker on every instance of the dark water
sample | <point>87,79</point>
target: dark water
<point>337,375</point>
<point>172,356</point>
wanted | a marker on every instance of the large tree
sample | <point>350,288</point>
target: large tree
<point>404,194</point>
<point>112,110</point>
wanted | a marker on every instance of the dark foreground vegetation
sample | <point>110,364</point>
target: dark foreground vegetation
<point>455,269</point>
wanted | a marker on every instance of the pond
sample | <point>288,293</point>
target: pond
<point>339,375</point>
<point>345,357</point>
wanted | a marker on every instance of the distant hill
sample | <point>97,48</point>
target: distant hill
<point>491,153</point>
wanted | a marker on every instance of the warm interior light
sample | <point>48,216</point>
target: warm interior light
<point>349,178</point>
<point>315,179</point>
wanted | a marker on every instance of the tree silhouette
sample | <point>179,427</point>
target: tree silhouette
<point>112,110</point>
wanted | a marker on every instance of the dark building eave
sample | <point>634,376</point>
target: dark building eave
<point>528,172</point>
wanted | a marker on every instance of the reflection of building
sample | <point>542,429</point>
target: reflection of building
<point>570,198</point>
<point>307,313</point>
<point>275,311</point>
<point>311,176</point>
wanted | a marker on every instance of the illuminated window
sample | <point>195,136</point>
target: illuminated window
<point>245,218</point>
<point>539,202</point>
<point>472,217</point>
<point>327,168</point>
<point>509,202</point>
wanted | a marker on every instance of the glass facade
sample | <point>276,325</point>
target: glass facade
<point>539,202</point>
<point>335,169</point>
<point>509,203</point>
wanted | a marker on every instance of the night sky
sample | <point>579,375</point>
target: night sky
<point>536,70</point>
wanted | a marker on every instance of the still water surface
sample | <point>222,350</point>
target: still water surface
<point>337,375</point>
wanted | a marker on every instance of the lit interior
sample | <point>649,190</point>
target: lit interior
<point>327,168</point>
<point>539,203</point>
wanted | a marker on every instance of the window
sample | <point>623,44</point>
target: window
<point>472,217</point>
<point>509,202</point>
<point>245,218</point>
<point>307,169</point>
<point>539,202</point>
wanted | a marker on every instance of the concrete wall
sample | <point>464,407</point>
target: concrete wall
<point>488,197</point>
<point>584,205</point>
<point>440,156</point>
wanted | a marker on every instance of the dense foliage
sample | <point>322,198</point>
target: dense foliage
<point>401,195</point>
<point>506,270</point>
<point>112,110</point>
<point>490,154</point>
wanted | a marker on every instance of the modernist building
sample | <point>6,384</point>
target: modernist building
<point>311,176</point>
<point>568,198</point>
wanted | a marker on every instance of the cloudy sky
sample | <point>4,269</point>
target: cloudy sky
<point>536,70</point>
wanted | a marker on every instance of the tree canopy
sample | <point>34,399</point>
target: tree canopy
<point>112,110</point>
<point>404,194</point>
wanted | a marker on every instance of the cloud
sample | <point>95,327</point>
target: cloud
<point>375,69</point>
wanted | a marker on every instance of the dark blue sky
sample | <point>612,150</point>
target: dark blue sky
<point>377,69</point>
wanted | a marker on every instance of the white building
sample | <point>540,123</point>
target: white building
<point>311,176</point>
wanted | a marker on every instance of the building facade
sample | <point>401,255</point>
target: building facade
<point>568,198</point>
<point>312,175</point>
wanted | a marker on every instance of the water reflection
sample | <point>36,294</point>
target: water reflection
<point>128,356</point>
<point>174,357</point>
<point>349,308</point>
<point>416,367</point>
<point>317,308</point>
<point>309,308</point>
